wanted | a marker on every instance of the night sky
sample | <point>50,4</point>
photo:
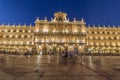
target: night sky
<point>97,12</point>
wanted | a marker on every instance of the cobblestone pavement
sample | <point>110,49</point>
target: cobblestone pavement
<point>45,67</point>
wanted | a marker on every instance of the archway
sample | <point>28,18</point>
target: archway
<point>71,48</point>
<point>39,49</point>
<point>81,49</point>
<point>60,49</point>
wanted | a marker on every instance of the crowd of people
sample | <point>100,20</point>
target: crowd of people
<point>70,54</point>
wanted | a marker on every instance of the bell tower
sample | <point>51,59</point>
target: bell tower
<point>60,16</point>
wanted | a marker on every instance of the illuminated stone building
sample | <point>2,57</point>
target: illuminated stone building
<point>60,34</point>
<point>103,40</point>
<point>16,38</point>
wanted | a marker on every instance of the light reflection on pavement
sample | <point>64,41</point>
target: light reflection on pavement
<point>45,67</point>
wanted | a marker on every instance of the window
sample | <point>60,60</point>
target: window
<point>106,37</point>
<point>10,36</point>
<point>14,30</point>
<point>101,37</point>
<point>25,36</point>
<point>91,37</point>
<point>101,32</point>
<point>19,36</point>
<point>108,32</point>
<point>22,36</point>
<point>6,30</point>
<point>20,30</point>
<point>17,31</point>
<point>112,37</point>
<point>92,32</point>
<point>29,31</point>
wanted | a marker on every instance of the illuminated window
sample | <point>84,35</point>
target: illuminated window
<point>97,44</point>
<point>10,36</point>
<point>116,32</point>
<point>107,44</point>
<point>91,37</point>
<point>95,32</point>
<point>29,31</point>
<point>23,31</point>
<point>90,32</point>
<point>106,37</point>
<point>112,37</point>
<point>17,31</point>
<point>4,36</point>
<point>12,30</point>
<point>117,37</point>
<point>119,44</point>
<point>15,42</point>
<point>75,30</point>
<point>22,36</point>
<point>96,37</point>
<point>6,30</point>
<point>101,37</point>
<point>5,42</point>
<point>91,43</point>
<point>27,42</point>
<point>113,44</point>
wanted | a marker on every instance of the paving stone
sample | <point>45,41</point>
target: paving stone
<point>45,67</point>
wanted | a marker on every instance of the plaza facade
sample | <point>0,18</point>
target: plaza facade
<point>60,34</point>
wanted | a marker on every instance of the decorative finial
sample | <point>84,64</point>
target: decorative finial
<point>13,24</point>
<point>52,19</point>
<point>24,24</point>
<point>108,25</point>
<point>113,26</point>
<point>82,20</point>
<point>103,25</point>
<point>45,18</point>
<point>37,19</point>
<point>94,26</point>
<point>19,24</point>
<point>74,19</point>
<point>30,24</point>
<point>68,19</point>
<point>8,24</point>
